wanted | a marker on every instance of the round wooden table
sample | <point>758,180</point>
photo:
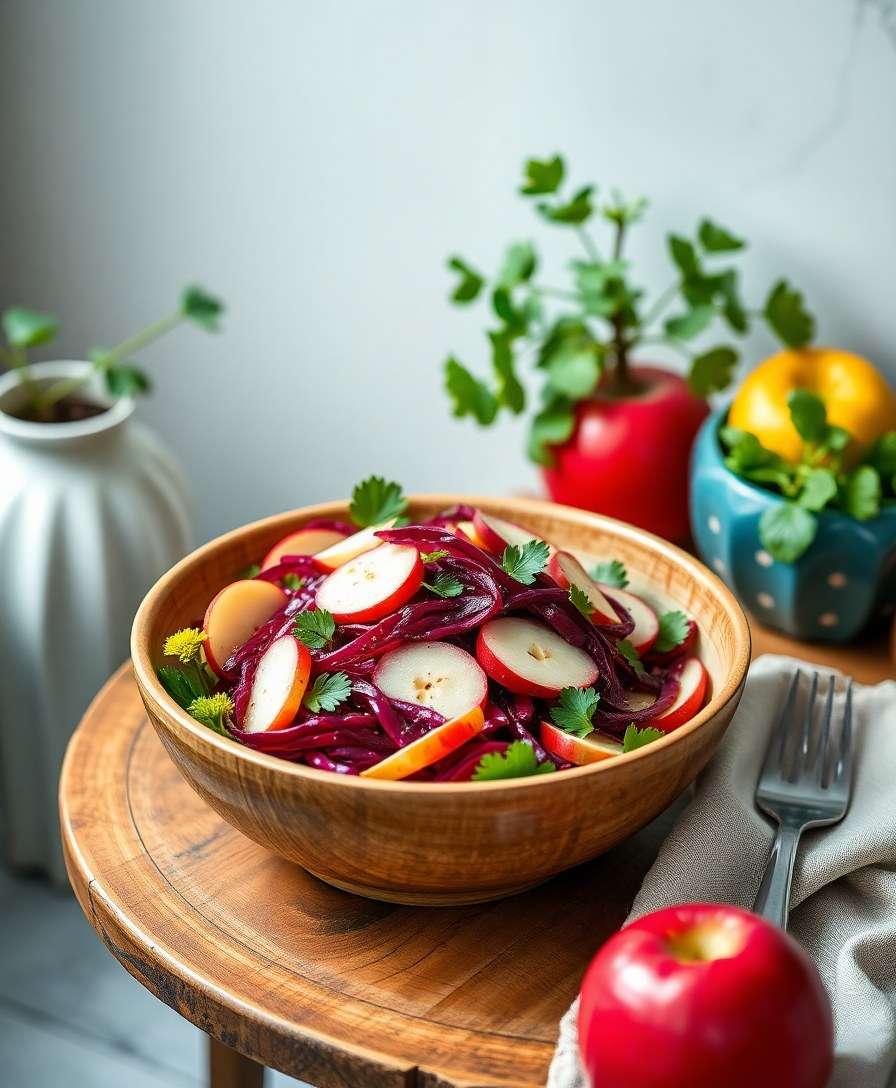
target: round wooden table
<point>284,971</point>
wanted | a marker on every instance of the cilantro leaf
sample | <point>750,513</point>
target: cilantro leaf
<point>636,738</point>
<point>690,324</point>
<point>470,283</point>
<point>520,262</point>
<point>26,328</point>
<point>861,493</point>
<point>581,600</point>
<point>611,573</point>
<point>292,581</point>
<point>376,500</point>
<point>433,557</point>
<point>327,692</point>
<point>716,239</point>
<point>819,487</point>
<point>575,711</point>
<point>199,306</point>
<point>542,176</point>
<point>574,211</point>
<point>518,760</point>
<point>787,315</point>
<point>786,531</point>
<point>711,371</point>
<point>674,628</point>
<point>315,628</point>
<point>445,585</point>
<point>181,686</point>
<point>524,561</point>
<point>469,395</point>
<point>552,426</point>
<point>808,414</point>
<point>631,655</point>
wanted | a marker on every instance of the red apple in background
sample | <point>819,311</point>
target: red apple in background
<point>704,996</point>
<point>628,455</point>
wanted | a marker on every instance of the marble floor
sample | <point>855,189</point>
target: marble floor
<point>70,1015</point>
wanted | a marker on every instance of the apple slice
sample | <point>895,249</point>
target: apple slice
<point>466,530</point>
<point>647,624</point>
<point>432,674</point>
<point>495,533</point>
<point>301,542</point>
<point>235,614</point>
<point>428,749</point>
<point>530,658</point>
<point>591,749</point>
<point>350,547</point>
<point>372,584</point>
<point>278,686</point>
<point>567,571</point>
<point>693,682</point>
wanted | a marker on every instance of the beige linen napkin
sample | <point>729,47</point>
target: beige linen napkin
<point>843,903</point>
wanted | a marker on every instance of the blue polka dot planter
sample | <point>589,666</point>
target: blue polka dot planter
<point>845,581</point>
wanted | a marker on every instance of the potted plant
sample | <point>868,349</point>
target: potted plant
<point>93,509</point>
<point>793,493</point>
<point>613,431</point>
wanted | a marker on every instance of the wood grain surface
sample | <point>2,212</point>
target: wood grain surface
<point>447,843</point>
<point>320,984</point>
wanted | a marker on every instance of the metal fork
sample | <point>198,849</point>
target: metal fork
<point>806,781</point>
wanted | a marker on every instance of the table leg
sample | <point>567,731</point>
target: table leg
<point>229,1069</point>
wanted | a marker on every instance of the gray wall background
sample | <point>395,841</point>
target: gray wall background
<point>315,163</point>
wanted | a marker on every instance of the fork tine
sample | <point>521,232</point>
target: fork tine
<point>799,756</point>
<point>821,748</point>
<point>774,752</point>
<point>843,767</point>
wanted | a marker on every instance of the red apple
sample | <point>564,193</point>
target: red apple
<point>591,749</point>
<point>428,749</point>
<point>301,542</point>
<point>693,682</point>
<point>350,547</point>
<point>234,614</point>
<point>494,534</point>
<point>530,658</point>
<point>567,571</point>
<point>371,585</point>
<point>278,686</point>
<point>628,455</point>
<point>432,674</point>
<point>704,996</point>
<point>647,623</point>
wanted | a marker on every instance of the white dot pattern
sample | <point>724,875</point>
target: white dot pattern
<point>766,600</point>
<point>763,558</point>
<point>836,580</point>
<point>715,526</point>
<point>828,619</point>
<point>719,564</point>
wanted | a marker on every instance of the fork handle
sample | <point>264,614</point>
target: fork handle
<point>773,899</point>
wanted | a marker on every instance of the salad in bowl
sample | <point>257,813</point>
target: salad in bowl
<point>459,647</point>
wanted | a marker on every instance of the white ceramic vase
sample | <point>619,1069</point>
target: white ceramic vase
<point>91,514</point>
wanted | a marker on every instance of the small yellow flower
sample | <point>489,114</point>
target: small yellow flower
<point>211,710</point>
<point>185,644</point>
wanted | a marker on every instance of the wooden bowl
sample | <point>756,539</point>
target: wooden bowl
<point>445,843</point>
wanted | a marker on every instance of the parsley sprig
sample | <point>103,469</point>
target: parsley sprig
<point>818,481</point>
<point>376,500</point>
<point>524,561</point>
<point>586,331</point>
<point>327,692</point>
<point>581,600</point>
<point>611,573</point>
<point>518,760</point>
<point>315,628</point>
<point>574,711</point>
<point>674,628</point>
<point>636,738</point>
<point>445,585</point>
<point>631,655</point>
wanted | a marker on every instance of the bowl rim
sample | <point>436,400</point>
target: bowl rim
<point>227,747</point>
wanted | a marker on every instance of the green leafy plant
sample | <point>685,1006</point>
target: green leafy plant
<point>585,333</point>
<point>25,329</point>
<point>820,480</point>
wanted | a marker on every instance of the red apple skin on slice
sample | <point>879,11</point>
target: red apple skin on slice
<point>301,542</point>
<point>531,659</point>
<point>372,585</point>
<point>566,570</point>
<point>466,530</point>
<point>438,675</point>
<point>278,686</point>
<point>428,749</point>
<point>579,750</point>
<point>343,551</point>
<point>235,614</point>
<point>647,624</point>
<point>694,681</point>
<point>495,533</point>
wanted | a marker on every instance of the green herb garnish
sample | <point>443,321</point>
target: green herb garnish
<point>674,628</point>
<point>524,561</point>
<point>636,738</point>
<point>292,581</point>
<point>611,573</point>
<point>327,692</point>
<point>445,585</point>
<point>581,600</point>
<point>631,655</point>
<point>517,761</point>
<point>211,710</point>
<point>575,710</point>
<point>315,628</point>
<point>376,500</point>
